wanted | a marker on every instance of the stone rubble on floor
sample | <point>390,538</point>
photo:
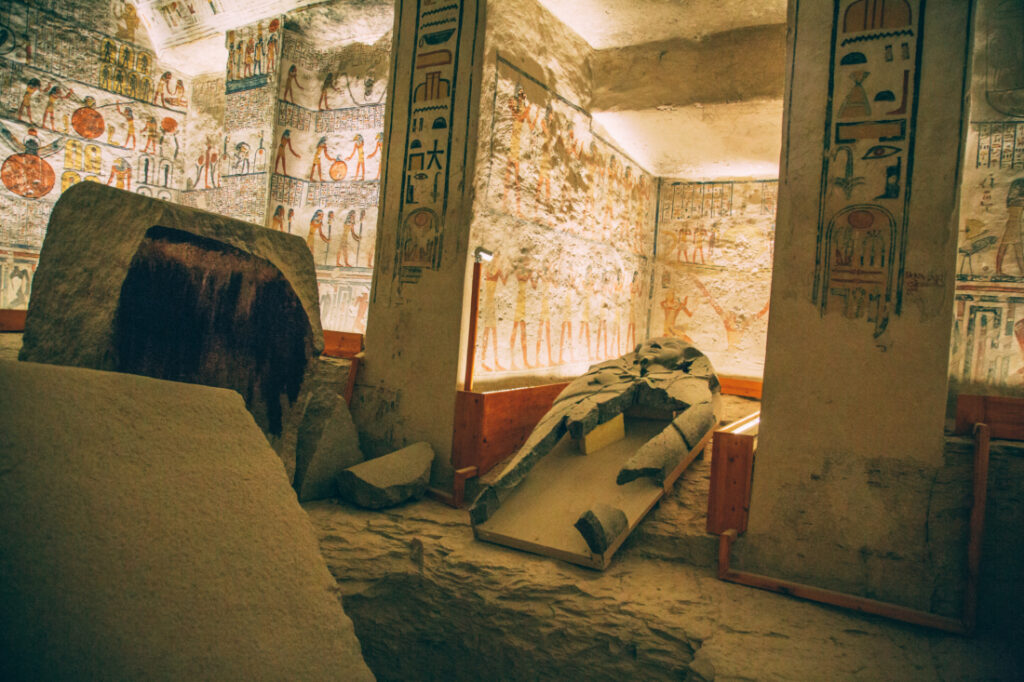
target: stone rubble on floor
<point>389,480</point>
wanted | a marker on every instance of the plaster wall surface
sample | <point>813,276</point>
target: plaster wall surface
<point>731,66</point>
<point>617,23</point>
<point>415,331</point>
<point>290,136</point>
<point>851,438</point>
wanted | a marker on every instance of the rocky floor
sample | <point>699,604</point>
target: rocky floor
<point>430,602</point>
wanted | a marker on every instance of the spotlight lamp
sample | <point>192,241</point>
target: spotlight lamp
<point>482,255</point>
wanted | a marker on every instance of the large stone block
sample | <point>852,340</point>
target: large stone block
<point>147,531</point>
<point>133,284</point>
<point>663,375</point>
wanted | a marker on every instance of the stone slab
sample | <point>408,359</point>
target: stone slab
<point>177,293</point>
<point>148,531</point>
<point>388,480</point>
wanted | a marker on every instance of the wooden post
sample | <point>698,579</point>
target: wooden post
<point>474,306</point>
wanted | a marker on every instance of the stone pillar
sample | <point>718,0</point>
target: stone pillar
<point>851,440</point>
<point>415,333</point>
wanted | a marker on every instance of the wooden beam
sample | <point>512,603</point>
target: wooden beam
<point>342,344</point>
<point>491,426</point>
<point>732,463</point>
<point>1004,416</point>
<point>12,320</point>
<point>748,388</point>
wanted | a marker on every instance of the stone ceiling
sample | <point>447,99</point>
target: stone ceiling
<point>689,88</point>
<point>618,23</point>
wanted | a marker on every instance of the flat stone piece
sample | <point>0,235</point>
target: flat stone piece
<point>389,480</point>
<point>148,531</point>
<point>601,526</point>
<point>177,293</point>
<point>605,434</point>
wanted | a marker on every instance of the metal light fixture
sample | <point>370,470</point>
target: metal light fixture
<point>482,255</point>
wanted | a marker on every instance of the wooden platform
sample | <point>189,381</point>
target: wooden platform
<point>539,514</point>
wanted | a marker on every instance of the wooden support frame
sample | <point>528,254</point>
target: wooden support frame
<point>732,466</point>
<point>491,426</point>
<point>1010,416</point>
<point>748,388</point>
<point>457,496</point>
<point>342,344</point>
<point>546,535</point>
<point>12,320</point>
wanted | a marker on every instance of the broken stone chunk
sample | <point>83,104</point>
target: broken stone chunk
<point>601,526</point>
<point>655,459</point>
<point>180,294</point>
<point>328,443</point>
<point>389,480</point>
<point>695,423</point>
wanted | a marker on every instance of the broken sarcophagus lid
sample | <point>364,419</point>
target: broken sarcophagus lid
<point>148,287</point>
<point>613,442</point>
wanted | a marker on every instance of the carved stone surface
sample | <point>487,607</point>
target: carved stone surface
<point>388,480</point>
<point>662,374</point>
<point>148,287</point>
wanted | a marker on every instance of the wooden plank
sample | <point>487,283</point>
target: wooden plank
<point>1004,416</point>
<point>749,388</point>
<point>498,423</point>
<point>342,344</point>
<point>350,382</point>
<point>539,515</point>
<point>467,438</point>
<point>12,320</point>
<point>732,461</point>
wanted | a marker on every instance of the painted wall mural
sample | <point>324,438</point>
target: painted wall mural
<point>293,140</point>
<point>713,269</point>
<point>82,99</point>
<point>868,160</point>
<point>988,327</point>
<point>571,219</point>
<point>231,126</point>
<point>327,156</point>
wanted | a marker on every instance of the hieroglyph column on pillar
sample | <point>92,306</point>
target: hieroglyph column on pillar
<point>858,343</point>
<point>414,329</point>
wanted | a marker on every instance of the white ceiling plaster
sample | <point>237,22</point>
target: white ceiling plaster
<point>618,23</point>
<point>188,35</point>
<point>740,140</point>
